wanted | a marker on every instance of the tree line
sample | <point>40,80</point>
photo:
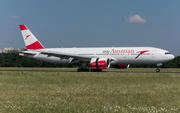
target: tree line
<point>14,60</point>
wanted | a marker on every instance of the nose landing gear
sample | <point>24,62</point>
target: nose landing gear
<point>158,66</point>
<point>157,70</point>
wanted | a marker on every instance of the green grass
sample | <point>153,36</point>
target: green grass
<point>89,92</point>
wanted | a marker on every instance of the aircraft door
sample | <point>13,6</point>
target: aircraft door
<point>124,55</point>
<point>125,58</point>
<point>153,55</point>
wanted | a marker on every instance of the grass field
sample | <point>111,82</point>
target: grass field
<point>89,92</point>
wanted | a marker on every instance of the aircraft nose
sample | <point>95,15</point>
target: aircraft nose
<point>170,57</point>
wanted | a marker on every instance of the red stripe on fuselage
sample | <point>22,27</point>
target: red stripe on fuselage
<point>35,45</point>
<point>23,27</point>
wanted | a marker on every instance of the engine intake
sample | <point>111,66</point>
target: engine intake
<point>100,63</point>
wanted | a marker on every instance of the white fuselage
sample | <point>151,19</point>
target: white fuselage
<point>119,55</point>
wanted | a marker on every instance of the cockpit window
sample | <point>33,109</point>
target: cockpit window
<point>166,53</point>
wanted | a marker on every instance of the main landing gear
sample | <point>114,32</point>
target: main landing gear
<point>158,66</point>
<point>84,69</point>
<point>96,70</point>
<point>87,70</point>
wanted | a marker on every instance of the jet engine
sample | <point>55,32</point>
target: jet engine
<point>100,63</point>
<point>121,66</point>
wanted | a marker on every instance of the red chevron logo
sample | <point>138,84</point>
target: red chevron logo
<point>141,52</point>
<point>27,36</point>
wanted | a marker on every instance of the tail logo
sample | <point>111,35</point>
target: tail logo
<point>27,36</point>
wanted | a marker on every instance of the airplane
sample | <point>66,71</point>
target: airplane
<point>97,58</point>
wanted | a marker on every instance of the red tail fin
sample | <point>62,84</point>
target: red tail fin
<point>30,40</point>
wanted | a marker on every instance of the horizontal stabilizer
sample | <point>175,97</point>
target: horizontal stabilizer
<point>22,53</point>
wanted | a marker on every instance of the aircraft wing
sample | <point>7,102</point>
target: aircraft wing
<point>73,56</point>
<point>66,55</point>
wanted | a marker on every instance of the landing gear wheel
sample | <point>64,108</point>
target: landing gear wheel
<point>157,70</point>
<point>83,70</point>
<point>158,66</point>
<point>96,70</point>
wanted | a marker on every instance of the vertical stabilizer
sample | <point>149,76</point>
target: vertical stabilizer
<point>30,40</point>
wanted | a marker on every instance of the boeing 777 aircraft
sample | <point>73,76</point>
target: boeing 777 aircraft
<point>98,58</point>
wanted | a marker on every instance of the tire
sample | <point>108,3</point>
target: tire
<point>83,70</point>
<point>96,70</point>
<point>157,70</point>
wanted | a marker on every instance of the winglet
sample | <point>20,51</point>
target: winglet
<point>30,40</point>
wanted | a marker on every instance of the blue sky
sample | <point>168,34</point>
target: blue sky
<point>93,23</point>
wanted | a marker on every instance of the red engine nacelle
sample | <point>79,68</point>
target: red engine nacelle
<point>121,66</point>
<point>100,63</point>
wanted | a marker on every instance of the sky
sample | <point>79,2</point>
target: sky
<point>92,23</point>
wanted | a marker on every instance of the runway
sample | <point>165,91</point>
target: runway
<point>81,72</point>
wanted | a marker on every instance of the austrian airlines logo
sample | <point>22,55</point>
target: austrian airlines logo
<point>27,36</point>
<point>141,52</point>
